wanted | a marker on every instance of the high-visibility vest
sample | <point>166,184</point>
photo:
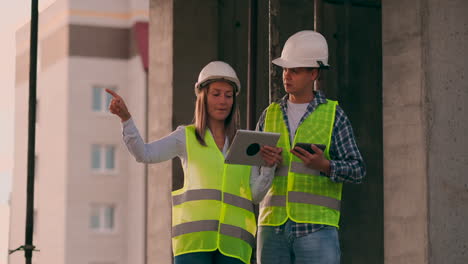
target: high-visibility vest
<point>299,192</point>
<point>214,209</point>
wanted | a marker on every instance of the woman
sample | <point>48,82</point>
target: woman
<point>212,217</point>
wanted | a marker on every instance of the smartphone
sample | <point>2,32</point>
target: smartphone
<point>307,147</point>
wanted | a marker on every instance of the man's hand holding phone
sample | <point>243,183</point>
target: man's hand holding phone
<point>312,156</point>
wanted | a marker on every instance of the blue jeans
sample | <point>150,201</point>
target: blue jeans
<point>213,257</point>
<point>320,247</point>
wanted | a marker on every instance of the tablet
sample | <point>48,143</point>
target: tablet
<point>245,147</point>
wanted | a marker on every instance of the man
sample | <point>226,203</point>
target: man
<point>300,212</point>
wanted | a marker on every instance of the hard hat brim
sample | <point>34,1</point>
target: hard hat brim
<point>233,81</point>
<point>292,64</point>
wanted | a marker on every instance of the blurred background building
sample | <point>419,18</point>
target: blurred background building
<point>90,195</point>
<point>4,230</point>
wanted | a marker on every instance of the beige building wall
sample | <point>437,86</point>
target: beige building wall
<point>85,186</point>
<point>115,13</point>
<point>4,225</point>
<point>51,140</point>
<point>67,127</point>
<point>51,151</point>
<point>52,148</point>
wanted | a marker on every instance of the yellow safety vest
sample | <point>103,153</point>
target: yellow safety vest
<point>214,209</point>
<point>298,192</point>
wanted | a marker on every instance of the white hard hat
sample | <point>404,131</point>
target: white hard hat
<point>217,71</point>
<point>306,48</point>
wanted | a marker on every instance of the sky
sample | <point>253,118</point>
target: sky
<point>14,14</point>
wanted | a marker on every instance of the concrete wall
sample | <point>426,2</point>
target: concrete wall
<point>135,95</point>
<point>445,64</point>
<point>405,148</point>
<point>160,115</point>
<point>424,62</point>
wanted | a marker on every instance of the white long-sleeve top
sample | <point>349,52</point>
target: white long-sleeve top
<point>173,145</point>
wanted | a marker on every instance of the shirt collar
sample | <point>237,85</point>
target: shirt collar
<point>319,98</point>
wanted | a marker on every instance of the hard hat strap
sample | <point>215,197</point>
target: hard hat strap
<point>321,65</point>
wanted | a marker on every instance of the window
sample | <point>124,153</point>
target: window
<point>103,157</point>
<point>102,218</point>
<point>101,99</point>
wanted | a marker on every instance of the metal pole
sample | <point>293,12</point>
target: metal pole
<point>275,76</point>
<point>146,165</point>
<point>252,66</point>
<point>318,11</point>
<point>29,247</point>
<point>318,15</point>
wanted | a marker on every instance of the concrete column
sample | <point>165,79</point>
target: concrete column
<point>425,157</point>
<point>405,148</point>
<point>160,124</point>
<point>445,65</point>
<point>183,39</point>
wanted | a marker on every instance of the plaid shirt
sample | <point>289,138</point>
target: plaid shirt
<point>346,163</point>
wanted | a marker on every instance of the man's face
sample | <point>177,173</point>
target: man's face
<point>299,80</point>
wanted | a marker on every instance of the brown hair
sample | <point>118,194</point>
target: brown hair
<point>201,116</point>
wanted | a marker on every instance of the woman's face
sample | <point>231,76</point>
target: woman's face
<point>220,97</point>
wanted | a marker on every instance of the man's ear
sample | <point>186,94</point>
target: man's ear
<point>315,74</point>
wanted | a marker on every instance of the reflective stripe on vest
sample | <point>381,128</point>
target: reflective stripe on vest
<point>305,198</point>
<point>213,194</point>
<point>298,192</point>
<point>212,225</point>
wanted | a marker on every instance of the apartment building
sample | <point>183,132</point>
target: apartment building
<point>89,192</point>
